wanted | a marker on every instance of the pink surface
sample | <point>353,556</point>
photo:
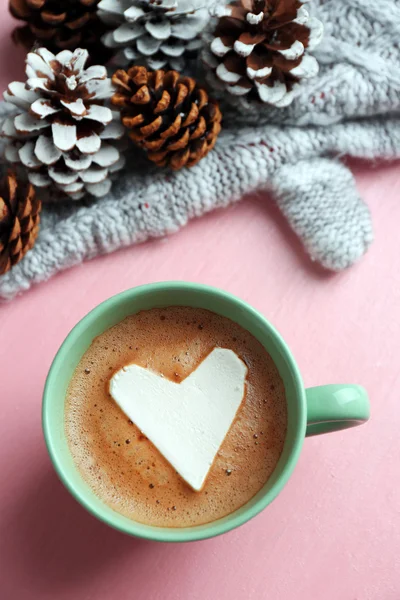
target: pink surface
<point>334,532</point>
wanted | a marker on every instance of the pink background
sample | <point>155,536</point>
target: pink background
<point>334,532</point>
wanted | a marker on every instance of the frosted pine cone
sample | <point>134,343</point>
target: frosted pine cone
<point>154,33</point>
<point>62,122</point>
<point>261,48</point>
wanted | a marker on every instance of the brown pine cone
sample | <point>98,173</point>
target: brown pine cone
<point>19,220</point>
<point>61,25</point>
<point>168,115</point>
<point>260,48</point>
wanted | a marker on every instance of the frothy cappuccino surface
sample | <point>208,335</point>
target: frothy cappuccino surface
<point>124,469</point>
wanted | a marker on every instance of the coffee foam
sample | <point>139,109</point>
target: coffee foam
<point>124,468</point>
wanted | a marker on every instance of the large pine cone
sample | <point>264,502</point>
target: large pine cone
<point>61,25</point>
<point>168,115</point>
<point>63,134</point>
<point>19,220</point>
<point>261,48</point>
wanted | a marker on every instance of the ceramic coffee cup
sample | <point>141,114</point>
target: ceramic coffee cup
<point>310,411</point>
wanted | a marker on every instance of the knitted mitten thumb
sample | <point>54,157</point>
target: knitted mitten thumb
<point>320,200</point>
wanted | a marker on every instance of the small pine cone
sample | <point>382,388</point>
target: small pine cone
<point>260,48</point>
<point>168,115</point>
<point>61,25</point>
<point>19,220</point>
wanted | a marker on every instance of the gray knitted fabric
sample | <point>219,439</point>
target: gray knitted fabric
<point>352,108</point>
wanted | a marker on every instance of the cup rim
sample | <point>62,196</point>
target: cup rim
<point>214,528</point>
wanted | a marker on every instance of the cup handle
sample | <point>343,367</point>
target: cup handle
<point>336,407</point>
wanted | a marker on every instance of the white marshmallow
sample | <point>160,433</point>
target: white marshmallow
<point>188,421</point>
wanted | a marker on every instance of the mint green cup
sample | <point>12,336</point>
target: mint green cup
<point>310,412</point>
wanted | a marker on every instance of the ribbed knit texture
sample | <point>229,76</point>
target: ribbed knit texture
<point>351,108</point>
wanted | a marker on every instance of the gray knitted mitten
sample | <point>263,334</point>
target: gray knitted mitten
<point>352,107</point>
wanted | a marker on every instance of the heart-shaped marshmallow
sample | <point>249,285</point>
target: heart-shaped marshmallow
<point>186,421</point>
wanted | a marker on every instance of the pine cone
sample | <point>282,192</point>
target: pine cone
<point>19,220</point>
<point>168,115</point>
<point>261,48</point>
<point>154,33</point>
<point>62,122</point>
<point>61,25</point>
